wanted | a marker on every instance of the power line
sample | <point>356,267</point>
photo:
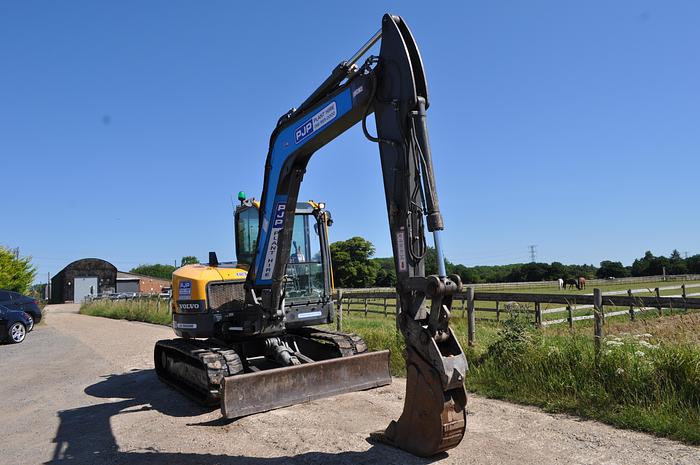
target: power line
<point>533,252</point>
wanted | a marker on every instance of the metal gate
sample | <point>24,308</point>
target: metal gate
<point>83,287</point>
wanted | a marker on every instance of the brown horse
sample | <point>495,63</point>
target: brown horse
<point>581,283</point>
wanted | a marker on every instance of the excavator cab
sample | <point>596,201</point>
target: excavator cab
<point>308,282</point>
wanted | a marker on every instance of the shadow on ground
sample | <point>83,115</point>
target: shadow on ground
<point>85,436</point>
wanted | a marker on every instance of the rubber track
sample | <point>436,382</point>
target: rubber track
<point>219,360</point>
<point>347,343</point>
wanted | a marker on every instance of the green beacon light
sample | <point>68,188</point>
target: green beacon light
<point>241,196</point>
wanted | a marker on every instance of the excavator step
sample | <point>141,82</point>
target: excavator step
<point>249,393</point>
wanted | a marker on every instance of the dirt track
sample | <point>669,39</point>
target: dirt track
<point>82,389</point>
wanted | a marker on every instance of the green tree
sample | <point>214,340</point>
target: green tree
<point>157,270</point>
<point>530,272</point>
<point>16,274</point>
<point>189,260</point>
<point>556,270</point>
<point>468,275</point>
<point>352,266</point>
<point>640,267</point>
<point>676,263</point>
<point>431,262</point>
<point>386,275</point>
<point>609,269</point>
<point>693,264</point>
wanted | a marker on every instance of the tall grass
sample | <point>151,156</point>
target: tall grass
<point>148,310</point>
<point>634,382</point>
<point>638,380</point>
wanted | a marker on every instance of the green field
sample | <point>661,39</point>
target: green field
<point>641,289</point>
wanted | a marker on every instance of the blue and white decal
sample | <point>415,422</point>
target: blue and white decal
<point>288,141</point>
<point>185,290</point>
<point>270,258</point>
<point>309,315</point>
<point>185,325</point>
<point>316,122</point>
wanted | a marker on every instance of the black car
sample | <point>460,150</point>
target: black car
<point>13,325</point>
<point>16,301</point>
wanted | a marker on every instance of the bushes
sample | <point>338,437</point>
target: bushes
<point>16,274</point>
<point>632,383</point>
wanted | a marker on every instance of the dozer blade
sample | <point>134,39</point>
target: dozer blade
<point>250,393</point>
<point>433,420</point>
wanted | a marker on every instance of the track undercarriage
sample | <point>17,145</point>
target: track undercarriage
<point>258,375</point>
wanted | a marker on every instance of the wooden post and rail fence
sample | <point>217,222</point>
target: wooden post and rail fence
<point>384,302</point>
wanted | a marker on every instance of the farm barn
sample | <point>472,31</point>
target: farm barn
<point>93,276</point>
<point>81,278</point>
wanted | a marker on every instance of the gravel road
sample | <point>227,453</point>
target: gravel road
<point>82,389</point>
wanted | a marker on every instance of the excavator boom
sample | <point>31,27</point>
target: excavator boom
<point>391,85</point>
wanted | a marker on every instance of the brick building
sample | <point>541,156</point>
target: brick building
<point>140,284</point>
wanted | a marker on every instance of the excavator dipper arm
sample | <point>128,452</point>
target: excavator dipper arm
<point>393,86</point>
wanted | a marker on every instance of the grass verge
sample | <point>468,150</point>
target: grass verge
<point>636,381</point>
<point>148,310</point>
<point>646,377</point>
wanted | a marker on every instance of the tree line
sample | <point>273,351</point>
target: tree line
<point>355,266</point>
<point>158,270</point>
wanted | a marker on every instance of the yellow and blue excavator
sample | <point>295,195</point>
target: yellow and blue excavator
<point>248,337</point>
<point>213,331</point>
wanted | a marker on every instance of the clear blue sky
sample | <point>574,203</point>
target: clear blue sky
<point>127,127</point>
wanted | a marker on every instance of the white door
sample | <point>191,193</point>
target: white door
<point>83,287</point>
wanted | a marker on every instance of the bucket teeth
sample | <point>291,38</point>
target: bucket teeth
<point>433,420</point>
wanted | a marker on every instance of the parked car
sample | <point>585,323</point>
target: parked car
<point>13,325</point>
<point>122,295</point>
<point>23,303</point>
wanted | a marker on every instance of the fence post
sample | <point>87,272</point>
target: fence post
<point>538,315</point>
<point>684,296</point>
<point>365,307</point>
<point>384,307</point>
<point>398,310</point>
<point>498,311</point>
<point>471,318</point>
<point>658,294</point>
<point>339,313</point>
<point>570,316</point>
<point>629,294</point>
<point>597,318</point>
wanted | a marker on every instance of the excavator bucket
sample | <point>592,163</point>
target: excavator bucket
<point>250,393</point>
<point>433,420</point>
